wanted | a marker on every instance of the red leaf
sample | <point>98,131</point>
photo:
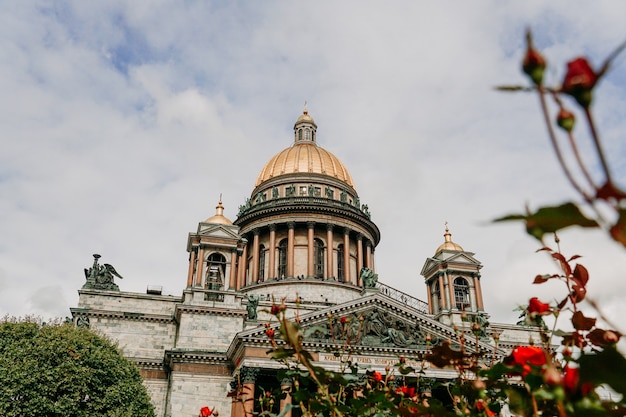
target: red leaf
<point>618,231</point>
<point>597,337</point>
<point>578,293</point>
<point>581,322</point>
<point>609,191</point>
<point>573,258</point>
<point>540,279</point>
<point>581,274</point>
<point>567,270</point>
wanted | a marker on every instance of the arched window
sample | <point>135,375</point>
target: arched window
<point>299,134</point>
<point>215,271</point>
<point>461,293</point>
<point>340,266</point>
<point>282,258</point>
<point>318,258</point>
<point>261,263</point>
<point>307,134</point>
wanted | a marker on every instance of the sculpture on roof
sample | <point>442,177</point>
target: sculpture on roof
<point>368,278</point>
<point>100,277</point>
<point>253,303</point>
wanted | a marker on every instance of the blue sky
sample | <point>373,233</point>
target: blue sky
<point>122,122</point>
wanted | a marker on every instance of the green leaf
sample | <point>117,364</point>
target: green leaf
<point>551,219</point>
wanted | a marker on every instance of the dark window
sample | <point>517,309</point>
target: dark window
<point>461,293</point>
<point>282,258</point>
<point>262,263</point>
<point>318,256</point>
<point>215,271</point>
<point>340,266</point>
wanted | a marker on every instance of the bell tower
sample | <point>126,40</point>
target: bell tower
<point>452,278</point>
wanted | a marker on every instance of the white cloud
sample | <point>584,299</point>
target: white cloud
<point>122,124</point>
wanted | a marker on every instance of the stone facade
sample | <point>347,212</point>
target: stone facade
<point>304,237</point>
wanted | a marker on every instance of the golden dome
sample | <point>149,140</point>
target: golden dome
<point>219,215</point>
<point>448,244</point>
<point>304,156</point>
<point>304,117</point>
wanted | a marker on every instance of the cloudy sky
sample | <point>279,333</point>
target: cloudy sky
<point>121,122</point>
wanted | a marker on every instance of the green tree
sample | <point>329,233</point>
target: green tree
<point>60,370</point>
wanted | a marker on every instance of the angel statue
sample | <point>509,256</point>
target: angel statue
<point>368,278</point>
<point>100,277</point>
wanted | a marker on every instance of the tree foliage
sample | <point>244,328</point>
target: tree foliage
<point>61,370</point>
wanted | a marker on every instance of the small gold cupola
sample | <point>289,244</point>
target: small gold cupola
<point>305,128</point>
<point>219,217</point>
<point>448,244</point>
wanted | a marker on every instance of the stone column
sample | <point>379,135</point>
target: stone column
<point>255,256</point>
<point>248,378</point>
<point>290,248</point>
<point>200,268</point>
<point>329,251</point>
<point>232,282</point>
<point>451,291</point>
<point>479,293</point>
<point>346,255</point>
<point>368,255</point>
<point>442,293</point>
<point>310,270</point>
<point>285,387</point>
<point>359,256</point>
<point>271,272</point>
<point>192,266</point>
<point>243,265</point>
<point>429,291</point>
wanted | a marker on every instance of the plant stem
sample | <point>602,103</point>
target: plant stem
<point>598,145</point>
<point>555,145</point>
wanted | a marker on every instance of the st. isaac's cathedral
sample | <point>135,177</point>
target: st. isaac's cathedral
<point>304,237</point>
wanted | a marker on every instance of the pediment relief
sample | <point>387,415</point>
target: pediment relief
<point>371,322</point>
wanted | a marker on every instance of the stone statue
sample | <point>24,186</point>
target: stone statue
<point>311,190</point>
<point>366,210</point>
<point>253,303</point>
<point>343,196</point>
<point>82,321</point>
<point>291,190</point>
<point>329,192</point>
<point>100,277</point>
<point>483,323</point>
<point>368,278</point>
<point>274,192</point>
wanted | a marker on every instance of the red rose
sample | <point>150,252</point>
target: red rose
<point>205,412</point>
<point>536,306</point>
<point>269,333</point>
<point>377,376</point>
<point>343,320</point>
<point>534,65</point>
<point>566,120</point>
<point>275,309</point>
<point>525,356</point>
<point>409,392</point>
<point>571,377</point>
<point>579,81</point>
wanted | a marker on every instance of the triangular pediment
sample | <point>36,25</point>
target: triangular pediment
<point>462,258</point>
<point>218,230</point>
<point>450,258</point>
<point>373,323</point>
